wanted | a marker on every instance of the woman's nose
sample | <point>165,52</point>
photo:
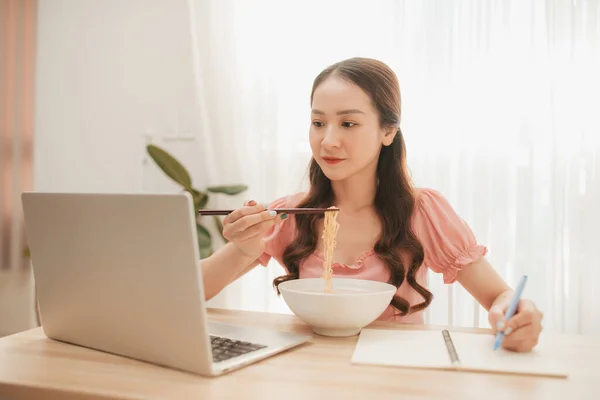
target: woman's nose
<point>331,138</point>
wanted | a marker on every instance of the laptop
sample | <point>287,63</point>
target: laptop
<point>120,273</point>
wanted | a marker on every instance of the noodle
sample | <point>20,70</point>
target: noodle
<point>330,229</point>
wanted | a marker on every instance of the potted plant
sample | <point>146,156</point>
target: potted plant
<point>175,170</point>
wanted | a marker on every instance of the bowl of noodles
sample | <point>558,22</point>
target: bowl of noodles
<point>336,306</point>
<point>349,306</point>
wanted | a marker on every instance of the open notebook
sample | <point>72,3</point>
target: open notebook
<point>436,349</point>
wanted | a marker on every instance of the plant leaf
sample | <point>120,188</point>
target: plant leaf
<point>204,238</point>
<point>200,199</point>
<point>220,227</point>
<point>229,190</point>
<point>205,252</point>
<point>170,166</point>
<point>204,241</point>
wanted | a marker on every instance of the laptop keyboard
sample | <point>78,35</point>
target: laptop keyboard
<point>224,348</point>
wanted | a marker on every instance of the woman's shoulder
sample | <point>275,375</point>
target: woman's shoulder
<point>288,201</point>
<point>426,193</point>
<point>281,235</point>
<point>433,214</point>
<point>428,200</point>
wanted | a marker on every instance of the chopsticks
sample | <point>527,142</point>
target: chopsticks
<point>278,210</point>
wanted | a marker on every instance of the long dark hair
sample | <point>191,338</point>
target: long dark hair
<point>394,199</point>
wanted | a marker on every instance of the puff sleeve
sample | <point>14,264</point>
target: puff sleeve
<point>448,241</point>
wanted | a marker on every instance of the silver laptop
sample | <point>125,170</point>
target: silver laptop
<point>120,273</point>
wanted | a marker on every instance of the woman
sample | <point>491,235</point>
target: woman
<point>389,230</point>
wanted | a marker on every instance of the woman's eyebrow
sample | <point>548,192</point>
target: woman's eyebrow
<point>341,112</point>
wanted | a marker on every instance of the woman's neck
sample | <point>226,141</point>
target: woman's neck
<point>357,192</point>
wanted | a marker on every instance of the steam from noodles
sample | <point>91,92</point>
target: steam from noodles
<point>330,229</point>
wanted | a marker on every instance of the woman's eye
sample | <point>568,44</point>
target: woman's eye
<point>348,124</point>
<point>318,124</point>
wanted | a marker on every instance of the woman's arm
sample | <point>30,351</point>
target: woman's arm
<point>223,267</point>
<point>484,283</point>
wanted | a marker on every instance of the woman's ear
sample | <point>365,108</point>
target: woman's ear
<point>388,135</point>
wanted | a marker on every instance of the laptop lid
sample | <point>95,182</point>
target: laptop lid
<point>120,273</point>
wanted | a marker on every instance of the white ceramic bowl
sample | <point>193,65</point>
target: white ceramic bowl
<point>354,303</point>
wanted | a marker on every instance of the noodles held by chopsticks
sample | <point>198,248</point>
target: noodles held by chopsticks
<point>330,229</point>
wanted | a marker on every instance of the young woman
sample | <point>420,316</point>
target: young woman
<point>389,230</point>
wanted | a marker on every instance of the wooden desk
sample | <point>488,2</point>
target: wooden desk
<point>34,367</point>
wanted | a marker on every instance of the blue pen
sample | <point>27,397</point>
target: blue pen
<point>511,310</point>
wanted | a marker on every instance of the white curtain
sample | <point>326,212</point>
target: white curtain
<point>500,113</point>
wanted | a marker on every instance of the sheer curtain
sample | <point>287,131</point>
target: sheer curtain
<point>500,104</point>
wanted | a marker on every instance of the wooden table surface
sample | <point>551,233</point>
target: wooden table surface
<point>34,367</point>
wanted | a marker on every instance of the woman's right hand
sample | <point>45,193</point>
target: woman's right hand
<point>246,226</point>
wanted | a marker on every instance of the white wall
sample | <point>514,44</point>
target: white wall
<point>107,70</point>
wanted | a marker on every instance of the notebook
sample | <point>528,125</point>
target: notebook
<point>437,349</point>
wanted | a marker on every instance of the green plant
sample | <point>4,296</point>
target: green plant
<point>174,170</point>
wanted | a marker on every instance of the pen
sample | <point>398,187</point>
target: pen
<point>511,310</point>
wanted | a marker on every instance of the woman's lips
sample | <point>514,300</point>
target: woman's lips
<point>332,160</point>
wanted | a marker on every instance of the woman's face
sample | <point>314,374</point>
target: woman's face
<point>345,135</point>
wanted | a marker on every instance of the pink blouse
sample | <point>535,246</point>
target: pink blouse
<point>448,242</point>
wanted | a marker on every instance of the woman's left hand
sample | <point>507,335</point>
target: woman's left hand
<point>522,331</point>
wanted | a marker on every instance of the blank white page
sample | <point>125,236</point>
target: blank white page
<point>476,353</point>
<point>426,349</point>
<point>405,348</point>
